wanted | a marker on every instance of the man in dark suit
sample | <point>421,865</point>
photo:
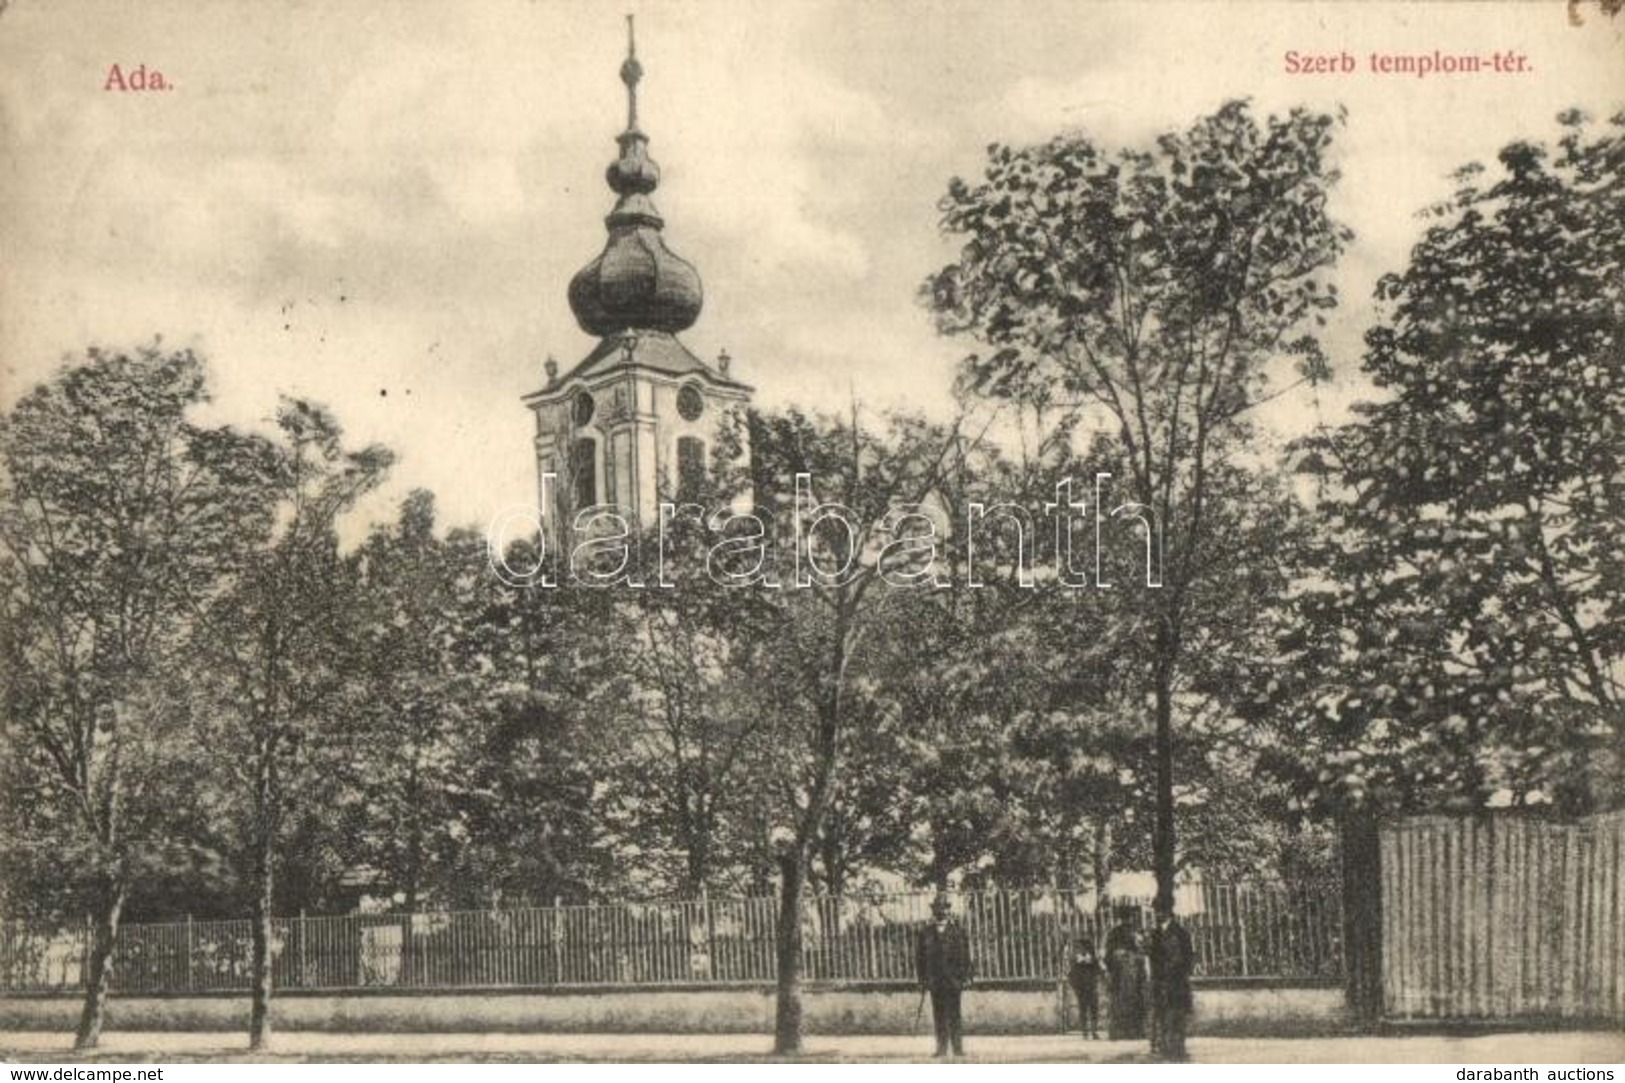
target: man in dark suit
<point>942,960</point>
<point>1172,960</point>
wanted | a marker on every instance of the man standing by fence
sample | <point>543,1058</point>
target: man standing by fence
<point>942,961</point>
<point>1172,959</point>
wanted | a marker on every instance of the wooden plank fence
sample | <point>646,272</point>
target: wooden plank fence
<point>1240,930</point>
<point>1503,917</point>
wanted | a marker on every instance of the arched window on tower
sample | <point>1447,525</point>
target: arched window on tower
<point>584,465</point>
<point>690,467</point>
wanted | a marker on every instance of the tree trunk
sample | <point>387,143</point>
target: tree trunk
<point>831,854</point>
<point>1163,838</point>
<point>787,1019</point>
<point>99,978</point>
<point>1102,857</point>
<point>698,862</point>
<point>259,1015</point>
<point>414,835</point>
<point>940,864</point>
<point>1362,916</point>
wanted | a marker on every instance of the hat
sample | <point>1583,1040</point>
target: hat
<point>941,904</point>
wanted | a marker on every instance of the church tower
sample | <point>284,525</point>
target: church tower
<point>634,421</point>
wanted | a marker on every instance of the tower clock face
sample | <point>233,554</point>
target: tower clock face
<point>690,403</point>
<point>581,408</point>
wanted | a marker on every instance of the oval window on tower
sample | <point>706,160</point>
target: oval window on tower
<point>581,408</point>
<point>690,403</point>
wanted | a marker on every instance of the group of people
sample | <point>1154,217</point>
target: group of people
<point>1133,965</point>
<point>1135,968</point>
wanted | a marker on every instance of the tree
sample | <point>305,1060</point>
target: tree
<point>534,803</point>
<point>813,666</point>
<point>1017,707</point>
<point>1464,618</point>
<point>678,689</point>
<point>118,515</point>
<point>414,741</point>
<point>280,641</point>
<point>951,786</point>
<point>1148,294</point>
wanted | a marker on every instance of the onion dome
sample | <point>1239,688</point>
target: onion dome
<point>636,283</point>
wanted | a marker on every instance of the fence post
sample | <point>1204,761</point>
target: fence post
<point>408,974</point>
<point>1241,923</point>
<point>189,950</point>
<point>708,922</point>
<point>304,958</point>
<point>557,942</point>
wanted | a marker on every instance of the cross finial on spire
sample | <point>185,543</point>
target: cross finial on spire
<point>631,72</point>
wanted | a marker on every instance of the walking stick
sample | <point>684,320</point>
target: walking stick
<point>919,1010</point>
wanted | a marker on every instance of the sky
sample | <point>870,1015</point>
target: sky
<point>379,205</point>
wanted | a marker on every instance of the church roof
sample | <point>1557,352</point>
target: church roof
<point>658,351</point>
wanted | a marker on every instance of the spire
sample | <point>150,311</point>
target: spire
<point>634,174</point>
<point>637,282</point>
<point>631,73</point>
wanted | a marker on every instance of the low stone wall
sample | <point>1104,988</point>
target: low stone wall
<point>1232,1008</point>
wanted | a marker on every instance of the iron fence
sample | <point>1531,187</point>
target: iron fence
<point>1239,930</point>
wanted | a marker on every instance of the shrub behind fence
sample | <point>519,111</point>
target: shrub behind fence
<point>1239,930</point>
